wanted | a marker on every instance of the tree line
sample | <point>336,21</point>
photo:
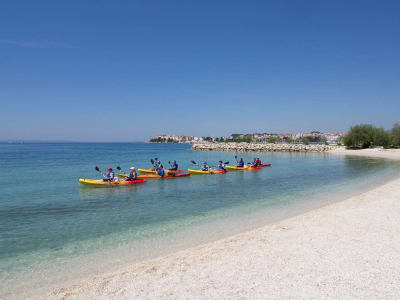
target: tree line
<point>366,136</point>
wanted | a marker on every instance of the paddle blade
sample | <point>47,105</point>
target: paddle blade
<point>193,162</point>
<point>118,168</point>
<point>152,161</point>
<point>169,162</point>
<point>156,158</point>
<point>97,169</point>
<point>236,156</point>
<point>226,163</point>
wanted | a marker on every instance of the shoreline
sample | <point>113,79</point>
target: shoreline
<point>209,269</point>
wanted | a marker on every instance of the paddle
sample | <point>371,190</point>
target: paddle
<point>98,170</point>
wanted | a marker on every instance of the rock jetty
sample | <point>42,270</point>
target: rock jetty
<point>245,147</point>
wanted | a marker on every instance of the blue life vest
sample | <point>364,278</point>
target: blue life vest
<point>241,163</point>
<point>110,175</point>
<point>161,172</point>
<point>221,167</point>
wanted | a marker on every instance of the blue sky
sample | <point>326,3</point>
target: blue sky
<point>127,70</point>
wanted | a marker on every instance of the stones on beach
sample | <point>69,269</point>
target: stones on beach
<point>253,147</point>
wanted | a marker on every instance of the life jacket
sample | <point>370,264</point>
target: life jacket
<point>110,175</point>
<point>241,163</point>
<point>132,175</point>
<point>174,166</point>
<point>161,172</point>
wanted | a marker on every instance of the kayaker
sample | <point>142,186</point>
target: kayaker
<point>241,163</point>
<point>132,174</point>
<point>259,163</point>
<point>110,175</point>
<point>156,164</point>
<point>160,171</point>
<point>254,164</point>
<point>174,166</point>
<point>221,166</point>
<point>206,167</point>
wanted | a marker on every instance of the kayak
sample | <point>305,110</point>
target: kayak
<point>108,183</point>
<point>150,176</point>
<point>265,165</point>
<point>200,172</point>
<point>243,169</point>
<point>149,171</point>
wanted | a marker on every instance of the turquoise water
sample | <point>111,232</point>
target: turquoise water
<point>52,230</point>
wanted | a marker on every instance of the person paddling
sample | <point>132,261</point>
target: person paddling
<point>241,163</point>
<point>160,171</point>
<point>132,174</point>
<point>174,166</point>
<point>156,164</point>
<point>110,175</point>
<point>206,167</point>
<point>221,166</point>
<point>259,163</point>
<point>254,164</point>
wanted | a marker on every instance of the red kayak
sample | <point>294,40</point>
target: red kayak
<point>266,165</point>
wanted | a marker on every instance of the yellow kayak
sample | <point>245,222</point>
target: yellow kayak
<point>149,171</point>
<point>108,183</point>
<point>200,172</point>
<point>243,169</point>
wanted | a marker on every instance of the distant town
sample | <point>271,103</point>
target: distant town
<point>305,138</point>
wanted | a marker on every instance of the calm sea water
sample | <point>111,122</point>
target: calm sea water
<point>52,230</point>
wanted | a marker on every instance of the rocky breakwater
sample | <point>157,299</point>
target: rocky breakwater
<point>244,147</point>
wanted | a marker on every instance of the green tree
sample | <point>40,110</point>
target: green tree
<point>305,141</point>
<point>272,140</point>
<point>396,135</point>
<point>381,138</point>
<point>360,136</point>
<point>324,140</point>
<point>365,136</point>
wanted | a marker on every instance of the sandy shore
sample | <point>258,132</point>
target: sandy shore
<point>349,249</point>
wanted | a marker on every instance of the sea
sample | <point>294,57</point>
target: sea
<point>55,231</point>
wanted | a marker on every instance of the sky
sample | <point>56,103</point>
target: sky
<point>128,70</point>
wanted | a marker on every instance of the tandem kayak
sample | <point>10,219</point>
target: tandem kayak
<point>243,169</point>
<point>100,182</point>
<point>150,176</point>
<point>265,165</point>
<point>149,171</point>
<point>200,172</point>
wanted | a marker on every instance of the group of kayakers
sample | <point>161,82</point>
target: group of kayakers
<point>256,163</point>
<point>220,166</point>
<point>159,168</point>
<point>110,175</point>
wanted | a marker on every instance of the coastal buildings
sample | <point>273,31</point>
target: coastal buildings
<point>309,137</point>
